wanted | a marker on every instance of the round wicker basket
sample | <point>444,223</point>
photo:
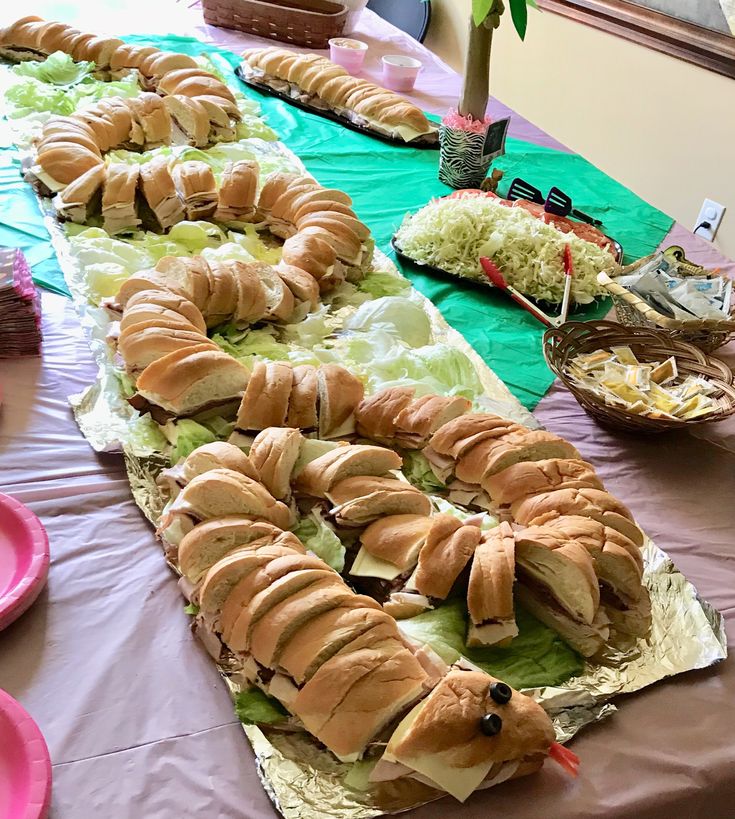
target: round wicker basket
<point>562,344</point>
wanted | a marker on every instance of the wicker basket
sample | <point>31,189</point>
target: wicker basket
<point>561,344</point>
<point>632,311</point>
<point>299,22</point>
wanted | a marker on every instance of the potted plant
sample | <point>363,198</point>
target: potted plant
<point>464,160</point>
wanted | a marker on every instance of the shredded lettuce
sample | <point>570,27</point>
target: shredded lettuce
<point>191,609</point>
<point>319,538</point>
<point>401,317</point>
<point>453,233</point>
<point>188,436</point>
<point>254,707</point>
<point>536,657</point>
<point>57,69</point>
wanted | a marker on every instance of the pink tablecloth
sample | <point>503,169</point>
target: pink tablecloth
<point>139,724</point>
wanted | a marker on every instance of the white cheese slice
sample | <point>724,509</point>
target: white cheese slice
<point>47,180</point>
<point>366,565</point>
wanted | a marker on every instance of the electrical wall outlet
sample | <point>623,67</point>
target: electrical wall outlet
<point>711,212</point>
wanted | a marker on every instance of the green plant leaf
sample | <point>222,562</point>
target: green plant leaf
<point>519,13</point>
<point>480,10</point>
<point>533,4</point>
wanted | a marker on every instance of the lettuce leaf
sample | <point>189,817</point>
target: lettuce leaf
<point>253,126</point>
<point>416,468</point>
<point>379,283</point>
<point>384,361</point>
<point>245,344</point>
<point>31,97</point>
<point>318,537</point>
<point>188,436</point>
<point>254,707</point>
<point>221,428</point>
<point>57,69</point>
<point>401,317</point>
<point>191,609</point>
<point>537,657</point>
<point>486,522</point>
<point>195,236</point>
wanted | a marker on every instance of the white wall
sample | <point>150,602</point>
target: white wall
<point>663,127</point>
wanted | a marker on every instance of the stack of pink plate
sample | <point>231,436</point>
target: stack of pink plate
<point>25,766</point>
<point>20,313</point>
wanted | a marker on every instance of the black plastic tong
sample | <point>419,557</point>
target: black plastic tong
<point>557,202</point>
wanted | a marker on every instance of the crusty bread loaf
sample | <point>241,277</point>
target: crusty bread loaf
<point>495,454</point>
<point>319,476</point>
<point>397,539</point>
<point>376,414</point>
<point>188,380</point>
<point>265,402</point>
<point>528,478</point>
<point>589,503</point>
<point>490,590</point>
<point>211,540</point>
<point>273,454</point>
<point>331,85</point>
<point>340,392</point>
<point>448,549</point>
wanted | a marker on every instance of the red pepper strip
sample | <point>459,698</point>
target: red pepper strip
<point>564,757</point>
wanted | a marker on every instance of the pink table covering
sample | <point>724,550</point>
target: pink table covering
<point>139,724</point>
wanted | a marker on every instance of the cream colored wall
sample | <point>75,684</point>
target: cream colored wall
<point>663,127</point>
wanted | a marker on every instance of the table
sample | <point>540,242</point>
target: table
<point>138,722</point>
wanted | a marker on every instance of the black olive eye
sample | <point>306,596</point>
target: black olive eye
<point>501,692</point>
<point>491,724</point>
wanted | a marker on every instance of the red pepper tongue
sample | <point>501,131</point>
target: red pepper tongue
<point>564,757</point>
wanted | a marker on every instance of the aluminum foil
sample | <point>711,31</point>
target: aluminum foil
<point>303,781</point>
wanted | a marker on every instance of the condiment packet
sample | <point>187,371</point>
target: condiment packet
<point>665,372</point>
<point>588,361</point>
<point>699,405</point>
<point>650,389</point>
<point>677,296</point>
<point>624,355</point>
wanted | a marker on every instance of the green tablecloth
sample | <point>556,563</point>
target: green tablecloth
<point>385,182</point>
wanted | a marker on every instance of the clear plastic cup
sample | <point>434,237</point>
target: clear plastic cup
<point>399,72</point>
<point>348,53</point>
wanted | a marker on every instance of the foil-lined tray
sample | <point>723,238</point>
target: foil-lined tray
<point>303,781</point>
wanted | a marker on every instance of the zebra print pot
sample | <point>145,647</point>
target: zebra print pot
<point>463,162</point>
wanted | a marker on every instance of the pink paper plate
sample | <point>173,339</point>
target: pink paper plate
<point>25,765</point>
<point>24,559</point>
